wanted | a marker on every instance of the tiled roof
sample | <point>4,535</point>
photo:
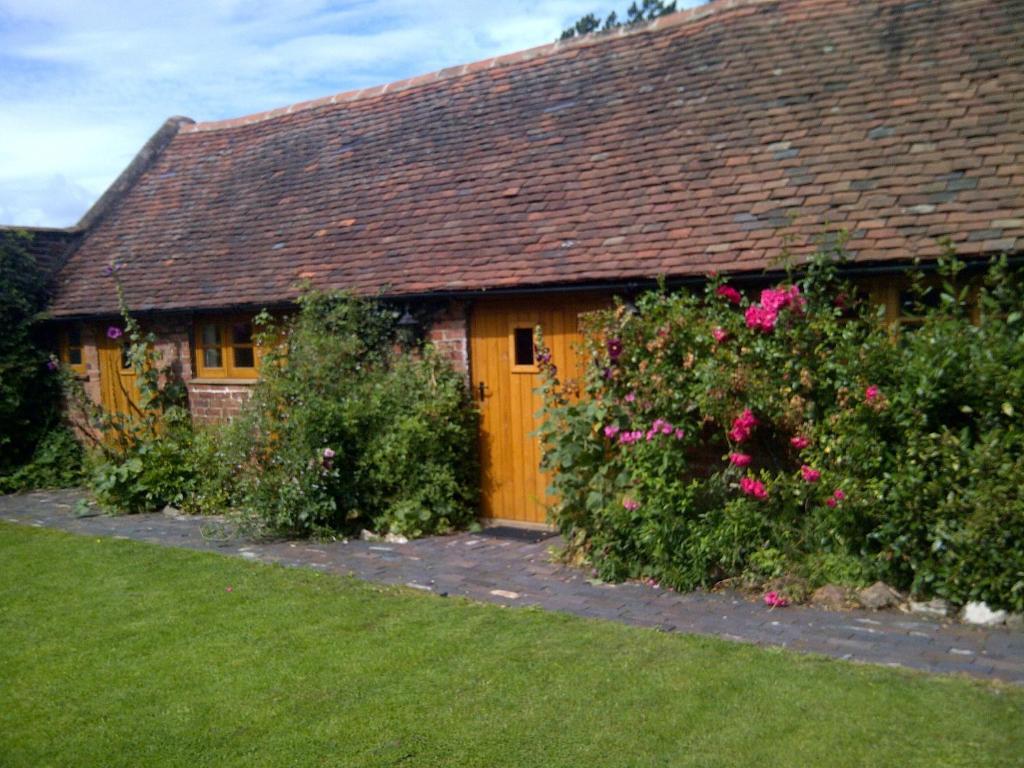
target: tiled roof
<point>705,141</point>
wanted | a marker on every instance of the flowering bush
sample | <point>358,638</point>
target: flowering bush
<point>346,431</point>
<point>792,430</point>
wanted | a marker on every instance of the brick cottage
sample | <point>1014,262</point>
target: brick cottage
<point>522,190</point>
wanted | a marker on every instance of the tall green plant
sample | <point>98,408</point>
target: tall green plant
<point>142,458</point>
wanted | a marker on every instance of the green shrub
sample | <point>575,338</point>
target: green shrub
<point>721,435</point>
<point>56,463</point>
<point>29,390</point>
<point>345,431</point>
<point>150,472</point>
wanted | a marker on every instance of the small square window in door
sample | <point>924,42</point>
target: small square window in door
<point>523,354</point>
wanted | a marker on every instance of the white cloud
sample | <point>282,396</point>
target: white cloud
<point>84,83</point>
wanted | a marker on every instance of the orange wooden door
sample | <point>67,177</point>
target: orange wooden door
<point>504,378</point>
<point>118,391</point>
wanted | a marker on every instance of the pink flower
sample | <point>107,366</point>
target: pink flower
<point>810,475</point>
<point>747,420</point>
<point>775,600</point>
<point>679,433</point>
<point>720,334</point>
<point>729,293</point>
<point>628,438</point>
<point>752,487</point>
<point>631,397</point>
<point>773,300</point>
<point>742,426</point>
<point>740,459</point>
<point>760,319</point>
<point>738,434</point>
<point>611,431</point>
<point>836,497</point>
<point>328,458</point>
<point>229,589</point>
<point>799,442</point>
<point>662,426</point>
<point>630,504</point>
<point>872,393</point>
<point>113,332</point>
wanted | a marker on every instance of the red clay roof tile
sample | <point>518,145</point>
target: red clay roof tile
<point>703,141</point>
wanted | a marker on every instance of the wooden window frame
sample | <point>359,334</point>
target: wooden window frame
<point>890,292</point>
<point>64,347</point>
<point>522,326</point>
<point>227,370</point>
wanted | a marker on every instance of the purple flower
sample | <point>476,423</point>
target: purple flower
<point>113,332</point>
<point>52,364</point>
<point>614,349</point>
<point>611,431</point>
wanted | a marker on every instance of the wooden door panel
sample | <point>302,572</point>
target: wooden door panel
<point>513,487</point>
<point>118,391</point>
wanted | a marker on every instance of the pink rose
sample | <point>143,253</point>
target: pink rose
<point>775,600</point>
<point>760,319</point>
<point>729,293</point>
<point>773,300</point>
<point>810,475</point>
<point>755,488</point>
<point>740,459</point>
<point>799,442</point>
<point>872,393</point>
<point>747,420</point>
<point>720,334</point>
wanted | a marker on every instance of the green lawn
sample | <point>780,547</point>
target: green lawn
<point>116,653</point>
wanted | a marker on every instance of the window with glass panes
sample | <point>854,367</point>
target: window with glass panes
<point>71,352</point>
<point>225,349</point>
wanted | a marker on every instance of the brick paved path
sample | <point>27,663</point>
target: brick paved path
<point>513,568</point>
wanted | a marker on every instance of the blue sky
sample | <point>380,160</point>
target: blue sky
<point>84,83</point>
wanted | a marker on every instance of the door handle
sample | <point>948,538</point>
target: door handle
<point>483,391</point>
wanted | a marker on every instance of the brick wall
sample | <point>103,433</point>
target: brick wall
<point>449,333</point>
<point>209,401</point>
<point>212,402</point>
